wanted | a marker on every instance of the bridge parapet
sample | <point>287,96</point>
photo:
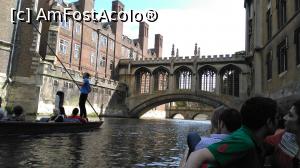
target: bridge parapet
<point>238,56</point>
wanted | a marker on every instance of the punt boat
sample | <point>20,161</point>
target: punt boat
<point>32,128</point>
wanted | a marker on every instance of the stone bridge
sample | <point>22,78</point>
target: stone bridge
<point>212,80</point>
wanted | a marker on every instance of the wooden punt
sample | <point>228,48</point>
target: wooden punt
<point>184,158</point>
<point>32,128</point>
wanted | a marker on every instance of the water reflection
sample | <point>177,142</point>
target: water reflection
<point>119,143</point>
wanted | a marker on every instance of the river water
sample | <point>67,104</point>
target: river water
<point>118,143</point>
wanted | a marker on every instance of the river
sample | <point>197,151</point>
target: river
<point>118,143</point>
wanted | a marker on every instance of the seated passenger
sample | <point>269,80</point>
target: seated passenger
<point>229,120</point>
<point>75,116</point>
<point>241,148</point>
<point>18,114</point>
<point>286,144</point>
<point>223,122</point>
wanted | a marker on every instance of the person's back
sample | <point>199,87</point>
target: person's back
<point>75,116</point>
<point>228,121</point>
<point>242,149</point>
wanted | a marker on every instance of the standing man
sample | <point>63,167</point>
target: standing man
<point>84,91</point>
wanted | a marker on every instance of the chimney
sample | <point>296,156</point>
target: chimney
<point>158,44</point>
<point>143,38</point>
<point>196,49</point>
<point>173,50</point>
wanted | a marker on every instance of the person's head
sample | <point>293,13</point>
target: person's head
<point>86,75</point>
<point>229,120</point>
<point>75,112</point>
<point>292,119</point>
<point>18,110</point>
<point>215,118</point>
<point>259,112</point>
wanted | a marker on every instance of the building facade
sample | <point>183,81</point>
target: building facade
<point>273,48</point>
<point>31,73</point>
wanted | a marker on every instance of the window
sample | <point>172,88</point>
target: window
<point>184,79</point>
<point>230,78</point>
<point>65,24</point>
<point>102,61</point>
<point>143,82</point>
<point>77,28</point>
<point>103,41</point>
<point>297,43</point>
<point>93,58</point>
<point>281,9</point>
<point>162,81</point>
<point>297,5</point>
<point>282,57</point>
<point>111,65</point>
<point>63,46</point>
<point>269,24</point>
<point>208,80</point>
<point>77,51</point>
<point>269,65</point>
<point>94,36</point>
<point>111,44</point>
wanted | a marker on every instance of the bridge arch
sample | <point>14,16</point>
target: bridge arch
<point>194,116</point>
<point>172,116</point>
<point>142,107</point>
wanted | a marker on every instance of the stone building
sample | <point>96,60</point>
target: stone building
<point>97,47</point>
<point>273,47</point>
<point>31,74</point>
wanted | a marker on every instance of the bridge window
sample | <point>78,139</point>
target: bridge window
<point>230,81</point>
<point>207,80</point>
<point>161,80</point>
<point>143,82</point>
<point>184,79</point>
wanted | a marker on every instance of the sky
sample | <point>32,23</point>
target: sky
<point>218,26</point>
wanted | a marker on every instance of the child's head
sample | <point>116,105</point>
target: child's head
<point>75,112</point>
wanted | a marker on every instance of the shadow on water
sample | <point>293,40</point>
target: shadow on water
<point>119,143</point>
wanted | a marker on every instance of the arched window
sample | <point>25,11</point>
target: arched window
<point>207,80</point>
<point>161,80</point>
<point>230,84</point>
<point>143,82</point>
<point>184,79</point>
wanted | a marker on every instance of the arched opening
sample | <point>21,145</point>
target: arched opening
<point>161,78</point>
<point>178,117</point>
<point>207,76</point>
<point>183,78</point>
<point>201,117</point>
<point>144,106</point>
<point>230,80</point>
<point>143,78</point>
